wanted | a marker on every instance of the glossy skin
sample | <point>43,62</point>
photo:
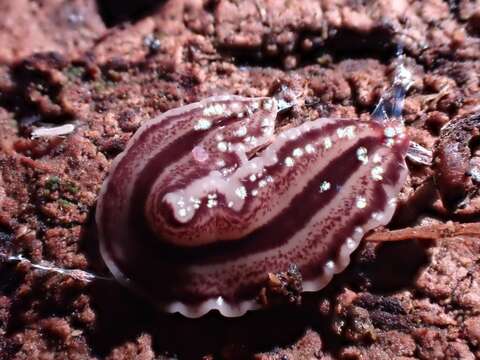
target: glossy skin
<point>207,199</point>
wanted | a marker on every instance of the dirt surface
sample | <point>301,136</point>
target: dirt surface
<point>409,299</point>
<point>67,27</point>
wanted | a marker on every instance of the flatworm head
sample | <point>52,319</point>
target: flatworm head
<point>208,198</point>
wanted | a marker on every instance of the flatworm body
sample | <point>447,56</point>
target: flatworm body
<point>208,198</point>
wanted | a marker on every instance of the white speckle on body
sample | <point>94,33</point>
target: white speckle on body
<point>327,143</point>
<point>241,192</point>
<point>389,142</point>
<point>182,212</point>
<point>362,155</point>
<point>377,173</point>
<point>359,231</point>
<point>222,146</point>
<point>324,186</point>
<point>211,203</point>
<point>309,149</point>
<point>377,216</point>
<point>361,202</point>
<point>389,132</point>
<point>297,152</point>
<point>241,131</point>
<point>348,131</point>
<point>252,140</point>
<point>350,243</point>
<point>214,110</point>
<point>202,124</point>
<point>289,161</point>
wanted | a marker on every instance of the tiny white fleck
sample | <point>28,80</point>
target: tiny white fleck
<point>361,202</point>
<point>219,301</point>
<point>350,243</point>
<point>269,179</point>
<point>362,154</point>
<point>253,177</point>
<point>358,230</point>
<point>389,132</point>
<point>211,203</point>
<point>262,183</point>
<point>221,163</point>
<point>289,161</point>
<point>350,131</point>
<point>389,142</point>
<point>230,204</point>
<point>240,114</point>
<point>209,111</point>
<point>241,192</point>
<point>227,171</point>
<point>327,143</point>
<point>203,124</point>
<point>219,137</point>
<point>222,146</point>
<point>377,173</point>
<point>254,192</point>
<point>341,132</point>
<point>330,264</point>
<point>252,140</point>
<point>309,149</point>
<point>392,202</point>
<point>297,152</point>
<point>182,212</point>
<point>324,186</point>
<point>219,108</point>
<point>241,131</point>
<point>377,216</point>
<point>214,109</point>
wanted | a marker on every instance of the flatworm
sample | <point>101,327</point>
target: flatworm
<point>207,199</point>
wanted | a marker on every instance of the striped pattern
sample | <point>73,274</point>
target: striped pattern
<point>206,200</point>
